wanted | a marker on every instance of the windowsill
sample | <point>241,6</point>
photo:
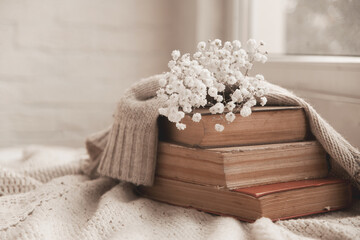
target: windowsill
<point>334,61</point>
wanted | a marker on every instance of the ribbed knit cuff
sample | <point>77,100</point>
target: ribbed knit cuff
<point>130,152</point>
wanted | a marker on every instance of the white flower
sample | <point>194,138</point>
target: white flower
<point>212,72</point>
<point>230,117</point>
<point>200,86</point>
<point>173,117</point>
<point>237,96</point>
<point>219,127</point>
<point>217,108</point>
<point>263,101</point>
<point>180,126</point>
<point>175,54</point>
<point>171,64</point>
<point>176,70</point>
<point>201,46</point>
<point>257,57</point>
<point>169,89</point>
<point>208,82</point>
<point>187,108</point>
<point>163,111</point>
<point>242,53</point>
<point>259,77</point>
<point>220,87</point>
<point>189,82</point>
<point>197,55</point>
<point>219,98</point>
<point>228,46</point>
<point>245,92</point>
<point>196,117</point>
<point>239,76</point>
<point>263,59</point>
<point>245,111</point>
<point>251,102</point>
<point>250,45</point>
<point>205,74</point>
<point>231,80</point>
<point>217,42</point>
<point>236,44</point>
<point>230,106</point>
<point>162,82</point>
<point>212,92</point>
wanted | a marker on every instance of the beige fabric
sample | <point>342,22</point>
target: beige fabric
<point>128,151</point>
<point>44,195</point>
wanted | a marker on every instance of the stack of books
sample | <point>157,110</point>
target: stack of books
<point>264,165</point>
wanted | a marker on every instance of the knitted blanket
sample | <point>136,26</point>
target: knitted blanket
<point>127,151</point>
<point>44,195</point>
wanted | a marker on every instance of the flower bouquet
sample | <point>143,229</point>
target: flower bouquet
<point>215,77</point>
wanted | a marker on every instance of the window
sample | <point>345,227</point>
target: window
<point>314,51</point>
<point>321,27</point>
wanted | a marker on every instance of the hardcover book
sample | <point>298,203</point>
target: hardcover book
<point>275,201</point>
<point>234,167</point>
<point>264,125</point>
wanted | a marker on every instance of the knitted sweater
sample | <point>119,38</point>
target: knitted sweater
<point>127,151</point>
<point>44,195</point>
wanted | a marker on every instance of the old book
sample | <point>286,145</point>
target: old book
<point>275,201</point>
<point>264,125</point>
<point>242,166</point>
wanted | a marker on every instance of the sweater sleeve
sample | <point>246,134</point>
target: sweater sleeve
<point>127,151</point>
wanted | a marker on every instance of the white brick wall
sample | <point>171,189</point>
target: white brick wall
<point>64,63</point>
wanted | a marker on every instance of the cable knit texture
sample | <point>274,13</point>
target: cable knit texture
<point>128,150</point>
<point>44,195</point>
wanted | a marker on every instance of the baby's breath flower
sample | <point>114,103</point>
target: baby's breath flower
<point>162,82</point>
<point>219,127</point>
<point>201,46</point>
<point>217,108</point>
<point>237,95</point>
<point>230,105</point>
<point>263,101</point>
<point>258,57</point>
<point>236,44</point>
<point>163,111</point>
<point>259,77</point>
<point>217,42</point>
<point>175,54</point>
<point>212,92</point>
<point>248,65</point>
<point>228,46</point>
<point>250,103</point>
<point>230,117</point>
<point>250,45</point>
<point>263,59</point>
<point>180,126</point>
<point>231,80</point>
<point>216,72</point>
<point>196,117</point>
<point>245,111</point>
<point>187,108</point>
<point>171,64</point>
<point>219,98</point>
<point>220,86</point>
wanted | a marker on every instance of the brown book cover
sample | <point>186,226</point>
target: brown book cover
<point>275,201</point>
<point>242,166</point>
<point>264,125</point>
